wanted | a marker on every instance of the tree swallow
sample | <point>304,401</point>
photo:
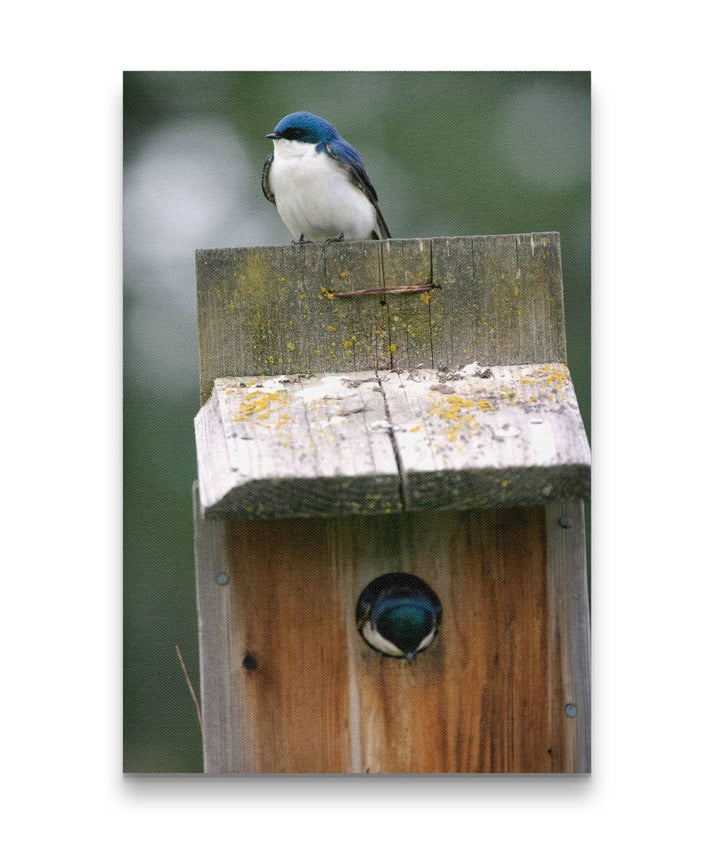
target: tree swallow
<point>319,184</point>
<point>398,615</point>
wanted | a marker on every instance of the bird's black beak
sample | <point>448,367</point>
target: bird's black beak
<point>410,657</point>
<point>273,136</point>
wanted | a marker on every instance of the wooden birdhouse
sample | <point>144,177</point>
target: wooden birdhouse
<point>390,407</point>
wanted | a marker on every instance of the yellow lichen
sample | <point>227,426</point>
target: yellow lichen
<point>458,414</point>
<point>255,404</point>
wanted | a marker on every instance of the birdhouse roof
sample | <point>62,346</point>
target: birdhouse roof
<point>378,442</point>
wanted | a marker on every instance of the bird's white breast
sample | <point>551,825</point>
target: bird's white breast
<point>315,196</point>
<point>380,643</point>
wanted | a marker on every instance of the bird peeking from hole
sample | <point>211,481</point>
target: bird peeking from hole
<point>398,615</point>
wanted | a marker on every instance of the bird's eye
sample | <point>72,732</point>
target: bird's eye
<point>292,133</point>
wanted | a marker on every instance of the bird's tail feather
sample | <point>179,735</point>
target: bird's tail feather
<point>382,226</point>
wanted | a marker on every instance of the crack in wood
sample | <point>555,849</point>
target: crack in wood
<point>402,478</point>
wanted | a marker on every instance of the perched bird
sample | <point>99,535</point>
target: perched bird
<point>398,615</point>
<point>319,184</point>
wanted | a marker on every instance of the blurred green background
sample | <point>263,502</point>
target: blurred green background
<point>450,153</point>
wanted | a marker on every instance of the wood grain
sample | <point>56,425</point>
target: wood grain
<point>272,310</point>
<point>568,636</point>
<point>475,701</point>
<point>357,421</point>
<point>487,436</point>
<point>499,300</point>
<point>296,447</point>
<point>287,612</point>
<point>404,263</point>
<point>222,705</point>
<point>488,696</point>
<point>368,443</point>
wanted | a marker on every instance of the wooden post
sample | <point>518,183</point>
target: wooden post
<point>390,406</point>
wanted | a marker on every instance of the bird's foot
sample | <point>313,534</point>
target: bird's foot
<point>340,237</point>
<point>301,241</point>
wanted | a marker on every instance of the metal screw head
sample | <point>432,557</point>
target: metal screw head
<point>565,522</point>
<point>570,710</point>
<point>222,578</point>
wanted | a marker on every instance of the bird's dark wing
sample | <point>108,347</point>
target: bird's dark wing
<point>269,195</point>
<point>350,161</point>
<point>363,610</point>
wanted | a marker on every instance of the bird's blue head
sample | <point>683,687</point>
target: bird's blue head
<point>304,127</point>
<point>406,622</point>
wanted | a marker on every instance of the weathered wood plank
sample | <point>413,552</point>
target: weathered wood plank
<point>273,310</point>
<point>498,300</point>
<point>568,637</point>
<point>313,697</point>
<point>289,446</point>
<point>407,263</point>
<point>288,616</point>
<point>224,745</point>
<point>476,700</point>
<point>366,443</point>
<point>480,437</point>
<point>352,333</point>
